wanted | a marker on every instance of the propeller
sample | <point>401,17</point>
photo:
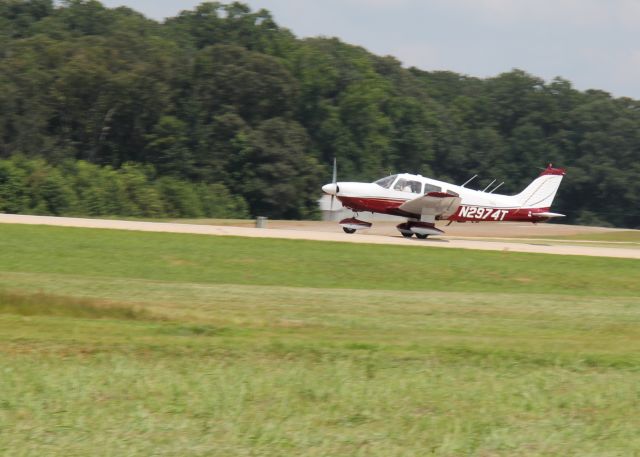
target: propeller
<point>334,180</point>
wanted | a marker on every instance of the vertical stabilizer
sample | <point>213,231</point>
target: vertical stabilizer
<point>540,193</point>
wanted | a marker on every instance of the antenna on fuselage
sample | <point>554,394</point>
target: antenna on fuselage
<point>491,191</point>
<point>469,180</point>
<point>490,184</point>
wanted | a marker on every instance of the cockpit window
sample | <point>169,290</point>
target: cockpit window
<point>406,185</point>
<point>431,188</point>
<point>386,182</point>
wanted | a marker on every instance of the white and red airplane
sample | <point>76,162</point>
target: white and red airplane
<point>423,201</point>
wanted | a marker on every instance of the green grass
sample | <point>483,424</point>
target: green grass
<point>235,260</point>
<point>125,343</point>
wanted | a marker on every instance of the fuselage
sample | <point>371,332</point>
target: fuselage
<point>388,194</point>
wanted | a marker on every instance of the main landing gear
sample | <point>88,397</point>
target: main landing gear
<point>420,229</point>
<point>418,235</point>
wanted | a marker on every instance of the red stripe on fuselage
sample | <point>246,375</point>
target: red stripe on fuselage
<point>376,205</point>
<point>465,213</point>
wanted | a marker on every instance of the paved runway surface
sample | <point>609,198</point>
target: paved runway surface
<point>331,232</point>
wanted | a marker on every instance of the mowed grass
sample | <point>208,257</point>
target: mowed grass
<point>236,260</point>
<point>126,343</point>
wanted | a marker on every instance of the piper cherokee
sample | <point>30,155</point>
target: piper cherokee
<point>423,201</point>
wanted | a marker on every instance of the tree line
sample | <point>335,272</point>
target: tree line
<point>80,188</point>
<point>219,111</point>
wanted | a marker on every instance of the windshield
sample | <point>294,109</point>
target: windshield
<point>386,182</point>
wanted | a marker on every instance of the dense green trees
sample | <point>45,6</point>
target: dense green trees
<point>219,111</point>
<point>81,188</point>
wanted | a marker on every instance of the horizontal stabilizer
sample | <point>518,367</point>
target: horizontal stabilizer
<point>549,215</point>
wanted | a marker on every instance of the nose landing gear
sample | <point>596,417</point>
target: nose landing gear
<point>352,224</point>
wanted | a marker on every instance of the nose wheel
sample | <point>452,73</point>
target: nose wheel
<point>352,224</point>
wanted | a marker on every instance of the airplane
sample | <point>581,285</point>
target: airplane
<point>423,201</point>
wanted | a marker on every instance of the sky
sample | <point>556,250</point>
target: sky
<point>595,44</point>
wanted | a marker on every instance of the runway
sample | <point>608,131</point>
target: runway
<point>319,231</point>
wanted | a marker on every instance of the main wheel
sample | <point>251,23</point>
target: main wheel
<point>348,230</point>
<point>422,237</point>
<point>407,234</point>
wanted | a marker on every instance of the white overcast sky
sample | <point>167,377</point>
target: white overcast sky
<point>593,43</point>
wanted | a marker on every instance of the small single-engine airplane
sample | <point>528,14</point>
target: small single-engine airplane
<point>423,201</point>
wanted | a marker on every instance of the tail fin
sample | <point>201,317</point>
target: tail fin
<point>540,193</point>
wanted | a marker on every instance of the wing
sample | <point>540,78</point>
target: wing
<point>433,204</point>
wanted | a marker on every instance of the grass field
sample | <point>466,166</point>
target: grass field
<point>128,343</point>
